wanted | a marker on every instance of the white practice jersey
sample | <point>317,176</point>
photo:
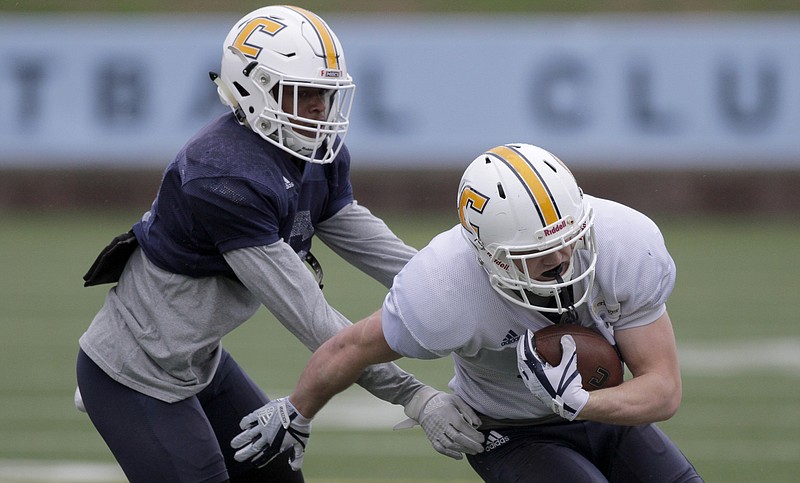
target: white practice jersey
<point>442,304</point>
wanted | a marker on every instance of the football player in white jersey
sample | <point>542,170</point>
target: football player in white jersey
<point>552,255</point>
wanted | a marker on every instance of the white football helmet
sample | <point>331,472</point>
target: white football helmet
<point>518,202</point>
<point>275,52</point>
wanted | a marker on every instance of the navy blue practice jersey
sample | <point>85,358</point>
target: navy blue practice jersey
<point>227,189</point>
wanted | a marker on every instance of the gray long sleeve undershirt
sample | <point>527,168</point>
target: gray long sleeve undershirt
<point>281,281</point>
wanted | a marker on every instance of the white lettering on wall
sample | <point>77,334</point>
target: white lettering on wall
<point>663,91</point>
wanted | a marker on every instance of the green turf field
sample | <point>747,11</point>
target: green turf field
<point>732,307</point>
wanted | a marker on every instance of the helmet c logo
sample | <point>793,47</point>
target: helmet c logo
<point>266,25</point>
<point>470,199</point>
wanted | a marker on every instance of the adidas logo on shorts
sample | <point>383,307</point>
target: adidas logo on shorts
<point>495,440</point>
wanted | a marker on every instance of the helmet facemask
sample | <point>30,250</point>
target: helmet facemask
<point>282,122</point>
<point>508,269</point>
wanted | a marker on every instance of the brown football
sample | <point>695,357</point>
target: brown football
<point>598,361</point>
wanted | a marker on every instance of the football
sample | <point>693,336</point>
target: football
<point>598,361</point>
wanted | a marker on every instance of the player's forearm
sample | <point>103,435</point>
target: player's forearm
<point>326,375</point>
<point>645,399</point>
<point>385,381</point>
<point>337,364</point>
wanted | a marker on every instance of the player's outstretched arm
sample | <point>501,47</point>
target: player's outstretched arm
<point>338,363</point>
<point>448,422</point>
<point>285,424</point>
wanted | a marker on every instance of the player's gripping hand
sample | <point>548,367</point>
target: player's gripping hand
<point>448,422</point>
<point>269,431</point>
<point>559,387</point>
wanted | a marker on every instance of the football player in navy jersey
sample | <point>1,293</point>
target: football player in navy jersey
<point>228,232</point>
<point>553,255</point>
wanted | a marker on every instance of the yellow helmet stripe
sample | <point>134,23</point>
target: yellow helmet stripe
<point>325,37</point>
<point>532,180</point>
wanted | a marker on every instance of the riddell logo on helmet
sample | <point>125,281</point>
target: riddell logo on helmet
<point>555,229</point>
<point>497,262</point>
<point>330,73</point>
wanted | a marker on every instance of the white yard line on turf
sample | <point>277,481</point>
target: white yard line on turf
<point>19,471</point>
<point>731,358</point>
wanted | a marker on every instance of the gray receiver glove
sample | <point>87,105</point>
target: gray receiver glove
<point>271,430</point>
<point>448,422</point>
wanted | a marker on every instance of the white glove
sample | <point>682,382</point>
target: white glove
<point>560,387</point>
<point>448,422</point>
<point>269,431</point>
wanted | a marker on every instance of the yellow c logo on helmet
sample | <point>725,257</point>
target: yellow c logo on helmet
<point>470,199</point>
<point>263,24</point>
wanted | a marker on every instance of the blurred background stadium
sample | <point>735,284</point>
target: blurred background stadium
<point>687,111</point>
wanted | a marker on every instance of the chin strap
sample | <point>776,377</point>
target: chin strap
<point>565,294</point>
